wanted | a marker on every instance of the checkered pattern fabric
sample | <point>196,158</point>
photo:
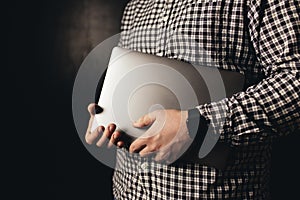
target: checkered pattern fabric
<point>259,38</point>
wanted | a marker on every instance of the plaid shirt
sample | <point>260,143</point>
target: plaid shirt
<point>258,38</point>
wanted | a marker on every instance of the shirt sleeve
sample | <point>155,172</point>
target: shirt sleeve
<point>127,19</point>
<point>270,108</point>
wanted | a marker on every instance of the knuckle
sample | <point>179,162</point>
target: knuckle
<point>95,135</point>
<point>147,120</point>
<point>119,144</point>
<point>112,140</point>
<point>142,154</point>
<point>140,120</point>
<point>98,144</point>
<point>90,137</point>
<point>153,148</point>
<point>132,148</point>
<point>88,140</point>
<point>90,108</point>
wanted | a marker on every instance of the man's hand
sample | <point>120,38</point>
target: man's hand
<point>167,136</point>
<point>102,136</point>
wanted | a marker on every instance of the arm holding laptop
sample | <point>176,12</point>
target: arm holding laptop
<point>269,108</point>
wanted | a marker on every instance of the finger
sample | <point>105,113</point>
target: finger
<point>145,120</point>
<point>120,144</point>
<point>94,108</point>
<point>103,140</point>
<point>114,139</point>
<point>91,120</point>
<point>91,109</point>
<point>138,145</point>
<point>147,151</point>
<point>90,137</point>
<point>106,134</point>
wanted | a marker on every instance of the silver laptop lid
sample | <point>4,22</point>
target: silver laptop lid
<point>137,83</point>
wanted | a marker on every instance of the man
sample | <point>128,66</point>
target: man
<point>259,39</point>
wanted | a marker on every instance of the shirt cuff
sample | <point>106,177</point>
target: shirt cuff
<point>218,116</point>
<point>197,125</point>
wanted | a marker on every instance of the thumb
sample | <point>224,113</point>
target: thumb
<point>94,108</point>
<point>145,120</point>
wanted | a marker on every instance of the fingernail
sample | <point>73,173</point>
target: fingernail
<point>98,109</point>
<point>100,129</point>
<point>110,128</point>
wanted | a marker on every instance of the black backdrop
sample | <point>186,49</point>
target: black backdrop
<point>46,43</point>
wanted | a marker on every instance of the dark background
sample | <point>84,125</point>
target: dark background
<point>46,43</point>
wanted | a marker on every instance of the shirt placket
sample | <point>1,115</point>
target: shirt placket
<point>164,25</point>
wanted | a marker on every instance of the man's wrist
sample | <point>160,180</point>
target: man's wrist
<point>196,123</point>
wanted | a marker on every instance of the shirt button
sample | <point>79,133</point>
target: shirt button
<point>160,53</point>
<point>144,166</point>
<point>165,18</point>
<point>140,182</point>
